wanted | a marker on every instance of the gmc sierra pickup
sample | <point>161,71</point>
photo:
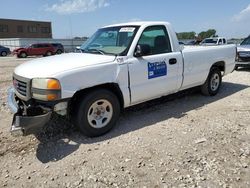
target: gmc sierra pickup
<point>119,66</point>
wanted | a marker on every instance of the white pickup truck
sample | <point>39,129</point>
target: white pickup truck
<point>213,41</point>
<point>119,66</point>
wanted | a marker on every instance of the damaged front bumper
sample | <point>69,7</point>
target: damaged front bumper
<point>27,119</point>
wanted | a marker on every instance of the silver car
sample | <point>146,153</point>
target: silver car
<point>243,54</point>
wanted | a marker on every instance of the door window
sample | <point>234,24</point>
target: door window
<point>40,46</point>
<point>156,37</point>
<point>34,46</point>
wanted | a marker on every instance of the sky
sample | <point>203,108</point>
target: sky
<point>71,18</point>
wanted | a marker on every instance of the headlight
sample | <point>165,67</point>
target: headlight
<point>46,89</point>
<point>244,54</point>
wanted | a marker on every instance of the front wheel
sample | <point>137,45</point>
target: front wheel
<point>97,112</point>
<point>22,55</point>
<point>212,85</point>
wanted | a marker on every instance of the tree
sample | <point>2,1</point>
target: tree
<point>186,35</point>
<point>207,34</point>
<point>192,35</point>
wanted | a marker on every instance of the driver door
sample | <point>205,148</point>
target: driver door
<point>155,74</point>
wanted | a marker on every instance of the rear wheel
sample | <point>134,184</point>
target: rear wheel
<point>58,51</point>
<point>48,53</point>
<point>212,85</point>
<point>97,112</point>
<point>4,53</point>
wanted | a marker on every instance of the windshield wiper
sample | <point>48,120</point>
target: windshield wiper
<point>95,50</point>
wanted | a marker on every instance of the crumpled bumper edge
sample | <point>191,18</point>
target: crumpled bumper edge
<point>24,125</point>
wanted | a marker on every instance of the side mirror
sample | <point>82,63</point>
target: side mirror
<point>142,50</point>
<point>182,47</point>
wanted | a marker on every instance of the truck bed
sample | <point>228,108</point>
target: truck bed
<point>196,71</point>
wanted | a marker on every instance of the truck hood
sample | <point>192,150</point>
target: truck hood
<point>17,49</point>
<point>243,48</point>
<point>50,66</point>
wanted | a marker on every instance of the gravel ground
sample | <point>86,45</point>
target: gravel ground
<point>185,140</point>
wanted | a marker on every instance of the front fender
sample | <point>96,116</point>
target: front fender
<point>88,77</point>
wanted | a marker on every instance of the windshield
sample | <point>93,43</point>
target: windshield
<point>26,46</point>
<point>110,41</point>
<point>246,41</point>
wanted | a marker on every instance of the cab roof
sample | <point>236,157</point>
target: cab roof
<point>141,23</point>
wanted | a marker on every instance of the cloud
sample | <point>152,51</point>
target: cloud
<point>77,6</point>
<point>243,15</point>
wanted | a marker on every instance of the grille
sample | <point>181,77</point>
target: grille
<point>21,87</point>
<point>244,59</point>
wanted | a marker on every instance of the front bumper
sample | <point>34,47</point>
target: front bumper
<point>243,63</point>
<point>24,123</point>
<point>243,59</point>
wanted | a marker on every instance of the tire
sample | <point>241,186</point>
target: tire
<point>212,85</point>
<point>97,112</point>
<point>48,53</point>
<point>59,52</point>
<point>3,53</point>
<point>23,55</point>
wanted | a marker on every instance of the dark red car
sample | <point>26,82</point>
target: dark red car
<point>44,49</point>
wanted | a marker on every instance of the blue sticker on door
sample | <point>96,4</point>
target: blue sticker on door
<point>157,69</point>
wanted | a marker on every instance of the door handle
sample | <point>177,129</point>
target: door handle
<point>172,61</point>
